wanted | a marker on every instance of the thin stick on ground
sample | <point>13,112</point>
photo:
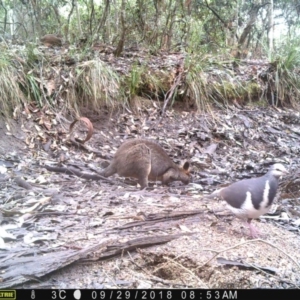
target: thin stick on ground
<point>275,276</point>
<point>244,243</point>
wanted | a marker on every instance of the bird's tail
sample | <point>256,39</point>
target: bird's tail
<point>215,194</point>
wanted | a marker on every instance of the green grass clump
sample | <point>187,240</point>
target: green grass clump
<point>284,85</point>
<point>11,96</point>
<point>94,83</point>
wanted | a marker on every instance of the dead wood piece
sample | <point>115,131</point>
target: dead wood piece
<point>154,218</point>
<point>74,171</point>
<point>22,269</point>
<point>159,227</point>
<point>37,266</point>
<point>9,213</point>
<point>132,245</point>
<point>175,214</point>
<point>138,217</point>
<point>22,183</point>
<point>87,148</point>
<point>242,265</point>
<point>19,269</point>
<point>55,213</point>
<point>48,192</point>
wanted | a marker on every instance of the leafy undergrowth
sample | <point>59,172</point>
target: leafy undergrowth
<point>52,212</point>
<point>67,78</point>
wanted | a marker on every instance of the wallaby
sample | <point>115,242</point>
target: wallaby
<point>51,40</point>
<point>145,159</point>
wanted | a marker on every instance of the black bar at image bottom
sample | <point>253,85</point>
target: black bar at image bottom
<point>151,294</point>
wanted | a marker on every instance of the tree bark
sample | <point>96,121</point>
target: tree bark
<point>121,42</point>
<point>270,28</point>
<point>69,18</point>
<point>103,19</point>
<point>78,18</point>
<point>5,16</point>
<point>246,32</point>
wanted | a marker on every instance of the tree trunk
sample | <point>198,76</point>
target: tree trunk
<point>270,28</point>
<point>246,32</point>
<point>121,42</point>
<point>69,19</point>
<point>103,20</point>
<point>78,18</point>
<point>92,17</point>
<point>5,17</point>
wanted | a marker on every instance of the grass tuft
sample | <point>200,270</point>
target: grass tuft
<point>284,84</point>
<point>11,95</point>
<point>94,83</point>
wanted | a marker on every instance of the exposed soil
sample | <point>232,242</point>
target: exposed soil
<point>58,212</point>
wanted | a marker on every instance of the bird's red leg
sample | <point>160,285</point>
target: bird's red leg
<point>254,232</point>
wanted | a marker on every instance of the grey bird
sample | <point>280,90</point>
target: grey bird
<point>250,198</point>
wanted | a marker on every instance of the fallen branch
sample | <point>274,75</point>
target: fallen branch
<point>22,183</point>
<point>80,145</point>
<point>74,171</point>
<point>132,245</point>
<point>154,218</point>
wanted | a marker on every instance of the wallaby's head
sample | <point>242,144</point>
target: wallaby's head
<point>184,172</point>
<point>181,173</point>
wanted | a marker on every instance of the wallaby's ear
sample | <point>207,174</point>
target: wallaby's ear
<point>186,166</point>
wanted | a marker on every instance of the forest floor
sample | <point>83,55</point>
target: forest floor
<point>165,237</point>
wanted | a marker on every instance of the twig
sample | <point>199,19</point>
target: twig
<point>244,243</point>
<point>268,274</point>
<point>72,171</point>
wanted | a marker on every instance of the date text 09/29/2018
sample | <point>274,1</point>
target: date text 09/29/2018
<point>149,294</point>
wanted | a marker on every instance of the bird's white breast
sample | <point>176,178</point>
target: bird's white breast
<point>247,210</point>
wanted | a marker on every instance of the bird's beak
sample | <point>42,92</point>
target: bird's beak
<point>284,172</point>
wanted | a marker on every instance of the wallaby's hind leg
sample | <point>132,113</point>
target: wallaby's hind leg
<point>140,158</point>
<point>143,173</point>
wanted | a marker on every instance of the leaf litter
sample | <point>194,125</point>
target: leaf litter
<point>106,233</point>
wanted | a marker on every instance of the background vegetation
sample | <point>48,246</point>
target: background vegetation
<point>211,34</point>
